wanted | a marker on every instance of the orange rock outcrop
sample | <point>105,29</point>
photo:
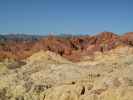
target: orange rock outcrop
<point>71,48</point>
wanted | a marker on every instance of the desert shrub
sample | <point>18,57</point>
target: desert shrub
<point>19,98</point>
<point>12,64</point>
<point>41,88</point>
<point>103,47</point>
<point>3,94</point>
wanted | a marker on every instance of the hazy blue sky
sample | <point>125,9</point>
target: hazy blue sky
<point>66,16</point>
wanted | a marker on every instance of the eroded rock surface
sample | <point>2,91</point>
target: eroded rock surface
<point>71,47</point>
<point>49,76</point>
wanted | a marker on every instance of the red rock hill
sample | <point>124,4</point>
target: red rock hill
<point>71,48</point>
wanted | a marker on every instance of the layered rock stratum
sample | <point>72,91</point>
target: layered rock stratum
<point>48,76</point>
<point>67,68</point>
<point>70,47</point>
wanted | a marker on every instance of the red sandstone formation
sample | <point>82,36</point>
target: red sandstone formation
<point>71,48</point>
<point>15,50</point>
<point>55,44</point>
<point>128,38</point>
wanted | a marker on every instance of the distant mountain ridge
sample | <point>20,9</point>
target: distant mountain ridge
<point>72,47</point>
<point>19,37</point>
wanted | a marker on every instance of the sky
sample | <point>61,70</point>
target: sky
<point>66,16</point>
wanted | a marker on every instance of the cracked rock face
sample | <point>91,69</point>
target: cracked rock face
<point>49,76</point>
